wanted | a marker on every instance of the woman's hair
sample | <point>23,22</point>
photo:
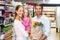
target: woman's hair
<point>28,12</point>
<point>16,9</point>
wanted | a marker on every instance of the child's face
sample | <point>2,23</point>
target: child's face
<point>25,12</point>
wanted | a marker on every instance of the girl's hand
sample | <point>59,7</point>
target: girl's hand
<point>29,32</point>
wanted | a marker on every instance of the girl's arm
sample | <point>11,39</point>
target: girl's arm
<point>26,23</point>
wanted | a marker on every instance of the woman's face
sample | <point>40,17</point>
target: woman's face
<point>20,12</point>
<point>26,12</point>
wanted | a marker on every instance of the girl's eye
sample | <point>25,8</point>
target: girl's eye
<point>21,10</point>
<point>26,12</point>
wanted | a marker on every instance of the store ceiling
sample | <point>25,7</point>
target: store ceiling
<point>27,0</point>
<point>35,1</point>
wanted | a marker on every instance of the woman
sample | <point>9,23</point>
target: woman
<point>18,26</point>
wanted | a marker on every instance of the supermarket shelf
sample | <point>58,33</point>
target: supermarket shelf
<point>9,5</point>
<point>50,12</point>
<point>6,5</point>
<point>8,24</point>
<point>2,4</point>
<point>1,9</point>
<point>1,24</point>
<point>51,4</point>
<point>8,11</point>
<point>7,36</point>
<point>7,18</point>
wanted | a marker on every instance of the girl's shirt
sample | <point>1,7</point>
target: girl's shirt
<point>26,23</point>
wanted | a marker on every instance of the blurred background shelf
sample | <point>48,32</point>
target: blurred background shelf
<point>50,12</point>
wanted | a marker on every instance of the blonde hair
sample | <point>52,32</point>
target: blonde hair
<point>28,12</point>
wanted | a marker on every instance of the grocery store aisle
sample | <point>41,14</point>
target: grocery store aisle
<point>54,35</point>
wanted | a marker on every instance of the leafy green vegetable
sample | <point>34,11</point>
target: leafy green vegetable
<point>6,28</point>
<point>40,24</point>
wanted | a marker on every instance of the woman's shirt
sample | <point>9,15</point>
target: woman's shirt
<point>19,30</point>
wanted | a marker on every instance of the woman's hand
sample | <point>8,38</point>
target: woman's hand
<point>2,36</point>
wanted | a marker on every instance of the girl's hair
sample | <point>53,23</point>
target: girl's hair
<point>16,9</point>
<point>28,12</point>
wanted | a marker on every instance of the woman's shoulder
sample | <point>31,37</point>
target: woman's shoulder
<point>16,21</point>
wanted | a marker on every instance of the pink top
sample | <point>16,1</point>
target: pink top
<point>26,23</point>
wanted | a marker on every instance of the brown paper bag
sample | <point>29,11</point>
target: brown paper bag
<point>36,33</point>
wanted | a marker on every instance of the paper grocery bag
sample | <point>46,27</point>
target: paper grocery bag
<point>36,32</point>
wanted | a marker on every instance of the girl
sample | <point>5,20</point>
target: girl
<point>26,20</point>
<point>18,26</point>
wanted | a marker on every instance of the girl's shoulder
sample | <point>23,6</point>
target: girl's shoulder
<point>28,18</point>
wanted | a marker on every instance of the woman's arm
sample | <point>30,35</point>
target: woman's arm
<point>18,28</point>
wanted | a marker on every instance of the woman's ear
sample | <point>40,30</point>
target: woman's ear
<point>16,12</point>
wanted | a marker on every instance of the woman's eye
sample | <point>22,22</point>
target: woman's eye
<point>20,10</point>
